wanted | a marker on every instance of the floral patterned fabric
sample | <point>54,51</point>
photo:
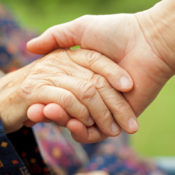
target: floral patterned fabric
<point>60,152</point>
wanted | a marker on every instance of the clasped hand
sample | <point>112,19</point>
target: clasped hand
<point>122,38</point>
<point>82,82</point>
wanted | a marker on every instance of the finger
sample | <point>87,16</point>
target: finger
<point>56,113</point>
<point>46,113</point>
<point>89,96</point>
<point>35,113</point>
<point>65,35</point>
<point>60,36</point>
<point>82,134</point>
<point>102,65</point>
<point>50,112</point>
<point>117,104</point>
<point>64,98</point>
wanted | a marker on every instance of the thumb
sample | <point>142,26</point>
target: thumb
<point>59,36</point>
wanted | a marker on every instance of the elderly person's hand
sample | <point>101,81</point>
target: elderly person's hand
<point>142,43</point>
<point>62,78</point>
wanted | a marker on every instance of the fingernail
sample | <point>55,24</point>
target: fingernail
<point>125,82</point>
<point>133,124</point>
<point>115,128</point>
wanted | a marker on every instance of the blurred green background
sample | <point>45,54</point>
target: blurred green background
<point>156,136</point>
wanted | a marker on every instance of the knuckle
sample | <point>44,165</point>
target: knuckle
<point>83,113</point>
<point>92,58</point>
<point>100,82</point>
<point>106,117</point>
<point>67,99</point>
<point>121,107</point>
<point>26,88</point>
<point>87,90</point>
<point>51,31</point>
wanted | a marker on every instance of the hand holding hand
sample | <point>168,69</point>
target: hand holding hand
<point>128,39</point>
<point>120,38</point>
<point>61,78</point>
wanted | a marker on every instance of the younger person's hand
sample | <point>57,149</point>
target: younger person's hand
<point>142,43</point>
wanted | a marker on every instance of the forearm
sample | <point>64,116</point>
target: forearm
<point>158,25</point>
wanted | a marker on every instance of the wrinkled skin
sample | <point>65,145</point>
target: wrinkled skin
<point>62,78</point>
<point>121,38</point>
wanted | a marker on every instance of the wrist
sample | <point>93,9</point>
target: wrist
<point>158,26</point>
<point>10,110</point>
